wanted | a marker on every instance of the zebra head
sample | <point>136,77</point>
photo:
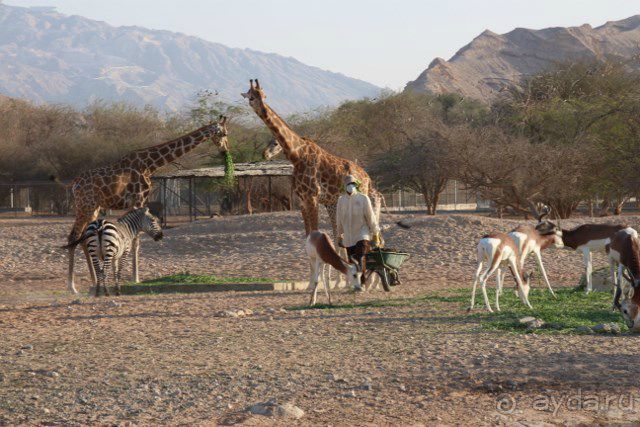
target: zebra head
<point>150,224</point>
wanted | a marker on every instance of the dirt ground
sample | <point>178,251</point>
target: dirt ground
<point>169,359</point>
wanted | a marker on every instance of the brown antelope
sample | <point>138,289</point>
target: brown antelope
<point>624,256</point>
<point>586,238</point>
<point>498,249</point>
<point>534,240</point>
<point>321,252</point>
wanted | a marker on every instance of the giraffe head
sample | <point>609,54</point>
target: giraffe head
<point>218,133</point>
<point>272,149</point>
<point>255,95</point>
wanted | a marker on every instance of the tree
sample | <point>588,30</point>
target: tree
<point>589,109</point>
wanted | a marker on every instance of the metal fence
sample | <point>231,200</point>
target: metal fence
<point>455,197</point>
<point>35,198</point>
<point>201,198</point>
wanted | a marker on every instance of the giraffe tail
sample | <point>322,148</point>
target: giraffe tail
<point>378,202</point>
<point>75,243</point>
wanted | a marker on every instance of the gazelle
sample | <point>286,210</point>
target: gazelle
<point>587,238</point>
<point>321,251</point>
<point>624,256</point>
<point>534,240</point>
<point>496,250</point>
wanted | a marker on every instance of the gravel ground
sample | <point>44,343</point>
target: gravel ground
<point>170,359</point>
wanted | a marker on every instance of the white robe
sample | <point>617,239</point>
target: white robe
<point>356,219</point>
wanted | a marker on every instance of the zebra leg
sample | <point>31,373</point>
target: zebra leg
<point>116,275</point>
<point>105,275</point>
<point>100,280</point>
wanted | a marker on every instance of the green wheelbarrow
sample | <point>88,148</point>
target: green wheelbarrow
<point>386,263</point>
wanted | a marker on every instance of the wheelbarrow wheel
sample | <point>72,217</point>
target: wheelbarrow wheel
<point>384,278</point>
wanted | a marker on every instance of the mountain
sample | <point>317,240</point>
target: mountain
<point>46,56</point>
<point>481,68</point>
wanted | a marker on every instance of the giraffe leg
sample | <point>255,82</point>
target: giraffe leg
<point>313,214</point>
<point>332,211</point>
<point>309,211</point>
<point>70,278</point>
<point>80,223</point>
<point>306,209</point>
<point>105,275</point>
<point>135,250</point>
<point>90,266</point>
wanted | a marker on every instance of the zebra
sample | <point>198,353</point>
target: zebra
<point>109,241</point>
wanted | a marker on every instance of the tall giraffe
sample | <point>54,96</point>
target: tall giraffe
<point>317,174</point>
<point>127,183</point>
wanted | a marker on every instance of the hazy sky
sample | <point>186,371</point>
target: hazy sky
<point>384,42</point>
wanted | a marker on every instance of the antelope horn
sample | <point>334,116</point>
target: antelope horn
<point>546,210</point>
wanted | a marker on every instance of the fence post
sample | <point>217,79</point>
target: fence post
<point>270,196</point>
<point>190,199</point>
<point>164,201</point>
<point>291,194</point>
<point>455,195</point>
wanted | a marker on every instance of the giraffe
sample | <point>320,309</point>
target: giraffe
<point>317,174</point>
<point>127,183</point>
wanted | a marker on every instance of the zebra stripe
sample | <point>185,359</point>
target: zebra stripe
<point>107,242</point>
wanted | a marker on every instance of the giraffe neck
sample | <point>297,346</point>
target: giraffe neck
<point>288,139</point>
<point>151,158</point>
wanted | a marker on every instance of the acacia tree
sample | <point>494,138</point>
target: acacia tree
<point>583,112</point>
<point>421,160</point>
<point>403,139</point>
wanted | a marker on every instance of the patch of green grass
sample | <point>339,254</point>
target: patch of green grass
<point>452,295</point>
<point>186,278</point>
<point>563,315</point>
<point>572,308</point>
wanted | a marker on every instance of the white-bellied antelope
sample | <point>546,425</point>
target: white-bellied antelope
<point>534,240</point>
<point>496,250</point>
<point>624,262</point>
<point>321,251</point>
<point>588,238</point>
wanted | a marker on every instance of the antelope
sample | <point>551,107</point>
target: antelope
<point>624,256</point>
<point>587,238</point>
<point>498,249</point>
<point>321,251</point>
<point>530,240</point>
